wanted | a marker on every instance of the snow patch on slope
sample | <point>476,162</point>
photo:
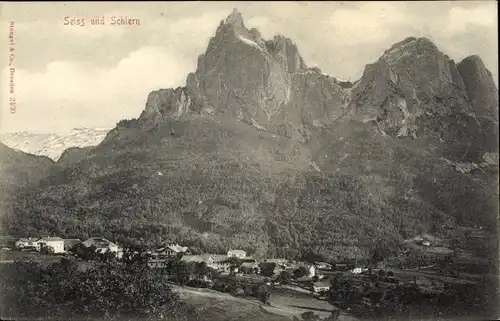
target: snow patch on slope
<point>250,43</point>
<point>256,125</point>
<point>315,166</point>
<point>183,104</point>
<point>51,144</point>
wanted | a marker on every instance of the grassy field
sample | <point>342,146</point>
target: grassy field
<point>285,303</point>
<point>7,257</point>
<point>10,256</point>
<point>218,306</point>
<point>295,303</point>
<point>407,276</point>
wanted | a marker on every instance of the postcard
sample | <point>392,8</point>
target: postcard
<point>227,160</point>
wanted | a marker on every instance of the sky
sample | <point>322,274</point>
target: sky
<point>73,76</point>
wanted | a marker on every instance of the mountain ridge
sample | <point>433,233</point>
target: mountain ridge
<point>271,115</point>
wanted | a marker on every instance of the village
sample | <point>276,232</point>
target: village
<point>425,266</point>
<point>234,262</point>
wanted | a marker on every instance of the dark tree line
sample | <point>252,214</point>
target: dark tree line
<point>110,291</point>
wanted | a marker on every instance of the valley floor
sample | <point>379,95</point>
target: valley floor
<point>284,304</point>
<point>289,301</point>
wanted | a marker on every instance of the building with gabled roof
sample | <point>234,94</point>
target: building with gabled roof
<point>55,243</point>
<point>323,265</point>
<point>219,262</point>
<point>193,258</point>
<point>320,286</point>
<point>103,245</point>
<point>236,253</point>
<point>28,243</point>
<point>171,251</point>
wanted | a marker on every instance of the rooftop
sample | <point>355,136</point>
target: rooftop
<point>321,284</point>
<point>193,258</point>
<point>248,259</point>
<point>71,242</point>
<point>51,239</point>
<point>204,258</point>
<point>29,239</point>
<point>102,242</point>
<point>218,257</point>
<point>276,261</point>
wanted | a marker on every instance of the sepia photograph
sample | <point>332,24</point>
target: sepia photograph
<point>249,161</point>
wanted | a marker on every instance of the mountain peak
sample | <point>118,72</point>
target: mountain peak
<point>402,43</point>
<point>410,46</point>
<point>473,60</point>
<point>481,89</point>
<point>412,78</point>
<point>235,19</point>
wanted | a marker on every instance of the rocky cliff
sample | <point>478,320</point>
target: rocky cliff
<point>415,90</point>
<point>261,82</point>
<point>482,93</point>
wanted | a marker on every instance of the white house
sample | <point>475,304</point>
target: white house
<point>318,287</point>
<point>103,245</point>
<point>323,265</point>
<point>253,266</point>
<point>217,262</point>
<point>237,253</point>
<point>171,250</point>
<point>311,269</point>
<point>24,243</point>
<point>357,270</point>
<point>55,243</point>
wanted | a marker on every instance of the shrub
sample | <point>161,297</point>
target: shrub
<point>263,295</point>
<point>334,316</point>
<point>284,277</point>
<point>239,292</point>
<point>47,250</point>
<point>309,315</point>
<point>300,272</point>
<point>106,291</point>
<point>267,268</point>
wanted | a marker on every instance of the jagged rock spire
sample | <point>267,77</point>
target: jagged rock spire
<point>481,90</point>
<point>267,84</point>
<point>235,19</point>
